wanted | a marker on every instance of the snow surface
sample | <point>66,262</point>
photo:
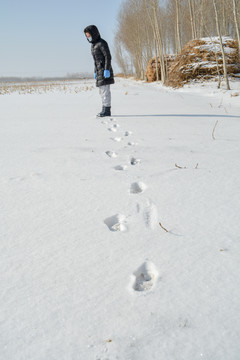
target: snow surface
<point>116,251</point>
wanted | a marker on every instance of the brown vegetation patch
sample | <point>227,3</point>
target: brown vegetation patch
<point>151,72</point>
<point>202,59</point>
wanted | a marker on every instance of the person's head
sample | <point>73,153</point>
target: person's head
<point>92,34</point>
<point>88,36</point>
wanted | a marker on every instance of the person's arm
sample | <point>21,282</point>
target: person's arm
<point>95,70</point>
<point>107,55</point>
<point>95,66</point>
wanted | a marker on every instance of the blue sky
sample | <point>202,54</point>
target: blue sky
<point>45,37</point>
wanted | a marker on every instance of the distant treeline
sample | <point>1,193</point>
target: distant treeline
<point>74,76</point>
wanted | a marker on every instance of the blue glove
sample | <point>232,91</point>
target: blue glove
<point>106,74</point>
<point>95,75</point>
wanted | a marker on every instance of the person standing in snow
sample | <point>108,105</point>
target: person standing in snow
<point>103,72</point>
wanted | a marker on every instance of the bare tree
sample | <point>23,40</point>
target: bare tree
<point>120,56</point>
<point>133,35</point>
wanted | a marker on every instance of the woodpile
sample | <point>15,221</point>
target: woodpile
<point>151,71</point>
<point>202,59</point>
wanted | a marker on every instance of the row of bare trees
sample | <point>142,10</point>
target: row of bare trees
<point>148,28</point>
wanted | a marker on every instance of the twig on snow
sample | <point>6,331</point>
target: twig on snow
<point>180,167</point>
<point>163,227</point>
<point>214,130</point>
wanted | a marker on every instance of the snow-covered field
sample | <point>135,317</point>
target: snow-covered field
<point>120,237</point>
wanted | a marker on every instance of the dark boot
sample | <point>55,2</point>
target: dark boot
<point>102,112</point>
<point>107,112</point>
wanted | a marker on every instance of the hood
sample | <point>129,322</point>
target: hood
<point>93,30</point>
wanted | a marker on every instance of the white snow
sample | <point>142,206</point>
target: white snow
<point>213,45</point>
<point>110,251</point>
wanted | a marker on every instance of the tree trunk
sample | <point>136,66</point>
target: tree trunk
<point>236,25</point>
<point>193,25</point>
<point>201,20</point>
<point>149,49</point>
<point>160,47</point>
<point>178,38</point>
<point>221,44</point>
<point>156,57</point>
<point>224,18</point>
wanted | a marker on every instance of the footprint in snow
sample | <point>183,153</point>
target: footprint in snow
<point>111,154</point>
<point>117,139</point>
<point>134,161</point>
<point>116,223</point>
<point>131,143</point>
<point>137,188</point>
<point>113,129</point>
<point>150,215</point>
<point>121,167</point>
<point>127,133</point>
<point>17,178</point>
<point>35,174</point>
<point>145,277</point>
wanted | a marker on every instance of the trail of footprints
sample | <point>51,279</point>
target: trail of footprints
<point>143,278</point>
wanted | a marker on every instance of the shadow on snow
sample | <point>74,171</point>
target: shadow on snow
<point>179,115</point>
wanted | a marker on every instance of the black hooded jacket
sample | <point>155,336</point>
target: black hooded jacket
<point>101,55</point>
